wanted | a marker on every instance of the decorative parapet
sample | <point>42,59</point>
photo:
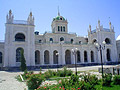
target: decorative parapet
<point>22,22</point>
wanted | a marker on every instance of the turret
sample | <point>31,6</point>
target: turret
<point>98,23</point>
<point>9,17</point>
<point>111,28</point>
<point>90,28</point>
<point>59,24</point>
<point>30,19</point>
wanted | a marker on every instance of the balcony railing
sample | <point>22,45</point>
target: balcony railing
<point>68,43</point>
<point>20,40</point>
<point>60,33</point>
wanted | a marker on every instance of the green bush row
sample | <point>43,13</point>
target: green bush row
<point>86,82</point>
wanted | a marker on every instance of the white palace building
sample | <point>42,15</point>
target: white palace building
<point>56,47</point>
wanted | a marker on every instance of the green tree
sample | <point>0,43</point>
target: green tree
<point>23,62</point>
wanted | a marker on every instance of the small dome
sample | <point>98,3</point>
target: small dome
<point>59,18</point>
<point>118,38</point>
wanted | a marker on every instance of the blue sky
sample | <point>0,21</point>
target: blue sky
<point>79,13</point>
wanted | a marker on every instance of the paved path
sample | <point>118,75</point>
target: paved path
<point>8,81</point>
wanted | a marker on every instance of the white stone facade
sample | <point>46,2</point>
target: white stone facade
<point>52,48</point>
<point>118,47</point>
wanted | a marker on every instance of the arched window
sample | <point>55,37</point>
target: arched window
<point>40,41</point>
<point>58,28</point>
<point>46,57</point>
<point>86,39</point>
<point>108,55</point>
<point>94,41</point>
<point>85,56</point>
<point>78,56</point>
<point>60,18</point>
<point>51,39</point>
<point>37,57</point>
<point>18,54</point>
<point>79,42</point>
<point>68,57</point>
<point>19,37</point>
<point>92,56</point>
<point>61,28</point>
<point>0,57</point>
<point>71,41</point>
<point>107,40</point>
<point>64,28</point>
<point>55,57</point>
<point>61,39</point>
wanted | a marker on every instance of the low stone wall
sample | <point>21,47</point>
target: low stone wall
<point>112,70</point>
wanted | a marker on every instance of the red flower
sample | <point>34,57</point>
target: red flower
<point>63,88</point>
<point>60,87</point>
<point>44,87</point>
<point>38,87</point>
<point>79,88</point>
<point>59,81</point>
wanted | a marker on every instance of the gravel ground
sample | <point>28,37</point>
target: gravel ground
<point>8,81</point>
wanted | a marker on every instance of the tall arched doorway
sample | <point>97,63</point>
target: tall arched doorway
<point>0,57</point>
<point>46,57</point>
<point>68,57</point>
<point>37,57</point>
<point>92,56</point>
<point>85,56</point>
<point>18,54</point>
<point>108,55</point>
<point>55,57</point>
<point>78,56</point>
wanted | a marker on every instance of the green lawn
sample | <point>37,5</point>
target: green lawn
<point>112,87</point>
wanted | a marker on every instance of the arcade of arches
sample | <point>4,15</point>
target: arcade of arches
<point>67,56</point>
<point>55,56</point>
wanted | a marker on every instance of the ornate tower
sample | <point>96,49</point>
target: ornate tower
<point>101,34</point>
<point>59,24</point>
<point>19,35</point>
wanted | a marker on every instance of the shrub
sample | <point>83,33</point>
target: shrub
<point>34,82</point>
<point>23,61</point>
<point>88,82</point>
<point>69,72</point>
<point>92,79</point>
<point>60,73</point>
<point>31,72</point>
<point>64,72</point>
<point>86,86</point>
<point>25,72</point>
<point>107,79</point>
<point>40,71</point>
<point>65,83</point>
<point>47,75</point>
<point>116,80</point>
<point>74,79</point>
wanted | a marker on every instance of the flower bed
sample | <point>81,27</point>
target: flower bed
<point>43,81</point>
